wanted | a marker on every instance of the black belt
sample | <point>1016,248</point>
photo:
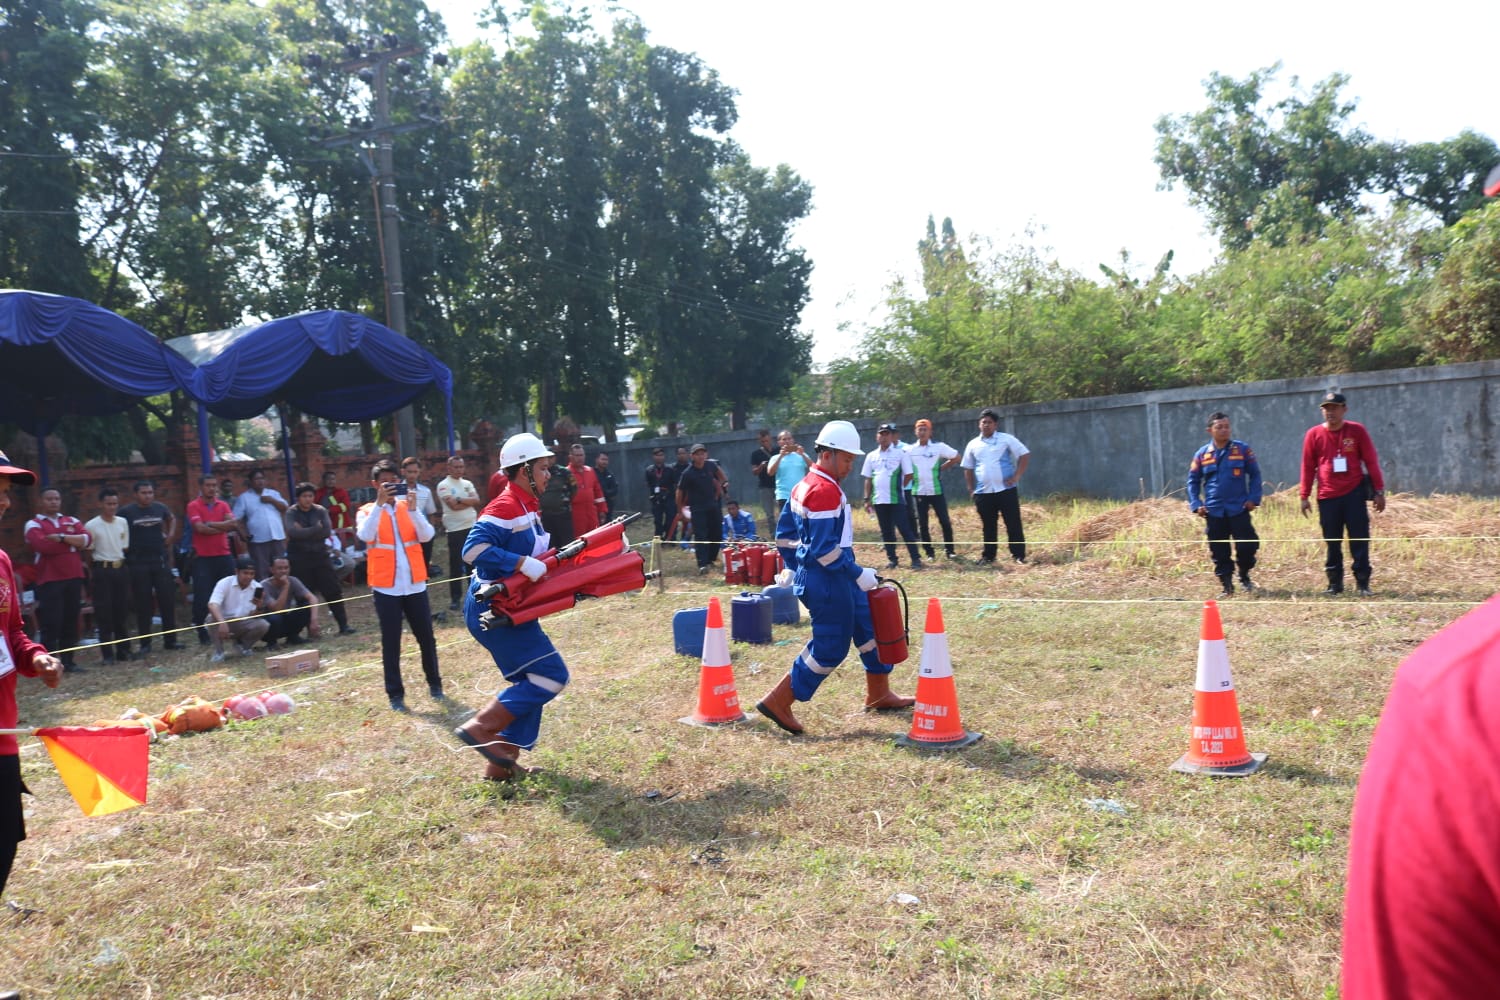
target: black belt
<point>109,563</point>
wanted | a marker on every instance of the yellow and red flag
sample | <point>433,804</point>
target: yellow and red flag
<point>104,769</point>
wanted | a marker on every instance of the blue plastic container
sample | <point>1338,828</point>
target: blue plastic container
<point>785,608</point>
<point>750,619</point>
<point>687,631</point>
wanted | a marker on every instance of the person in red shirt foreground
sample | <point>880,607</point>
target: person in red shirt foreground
<point>1338,453</point>
<point>19,656</point>
<point>1422,904</point>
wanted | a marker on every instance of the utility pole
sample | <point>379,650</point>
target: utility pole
<point>373,66</point>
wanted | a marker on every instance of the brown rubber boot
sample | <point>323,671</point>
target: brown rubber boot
<point>777,706</point>
<point>878,697</point>
<point>483,734</point>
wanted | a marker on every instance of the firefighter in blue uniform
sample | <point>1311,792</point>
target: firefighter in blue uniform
<point>506,539</point>
<point>815,537</point>
<point>1223,487</point>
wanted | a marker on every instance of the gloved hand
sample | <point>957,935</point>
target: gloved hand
<point>534,569</point>
<point>866,579</point>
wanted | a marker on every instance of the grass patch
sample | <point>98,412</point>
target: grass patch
<point>344,850</point>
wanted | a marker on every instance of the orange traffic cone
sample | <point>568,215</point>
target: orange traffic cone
<point>1217,746</point>
<point>934,718</point>
<point>718,701</point>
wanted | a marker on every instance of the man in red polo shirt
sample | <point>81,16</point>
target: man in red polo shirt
<point>57,539</point>
<point>588,499</point>
<point>212,522</point>
<point>1338,453</point>
<point>335,499</point>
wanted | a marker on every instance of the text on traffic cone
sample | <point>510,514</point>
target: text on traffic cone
<point>935,721</point>
<point>718,701</point>
<point>1217,741</point>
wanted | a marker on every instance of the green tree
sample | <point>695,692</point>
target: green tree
<point>667,113</point>
<point>1445,178</point>
<point>1459,314</point>
<point>761,285</point>
<point>1331,304</point>
<point>1277,171</point>
<point>45,46</point>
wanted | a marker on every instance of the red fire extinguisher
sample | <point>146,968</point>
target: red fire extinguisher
<point>889,613</point>
<point>753,556</point>
<point>734,566</point>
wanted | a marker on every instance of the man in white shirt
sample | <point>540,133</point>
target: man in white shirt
<point>928,460</point>
<point>993,464</point>
<point>109,580</point>
<point>460,510</point>
<point>260,510</point>
<point>411,470</point>
<point>233,609</point>
<point>887,472</point>
<point>393,529</point>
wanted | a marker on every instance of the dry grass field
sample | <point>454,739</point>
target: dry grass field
<point>347,851</point>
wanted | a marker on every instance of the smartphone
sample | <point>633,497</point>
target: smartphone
<point>400,490</point>
<point>258,591</point>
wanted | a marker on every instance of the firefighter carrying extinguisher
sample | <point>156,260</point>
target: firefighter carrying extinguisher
<point>815,537</point>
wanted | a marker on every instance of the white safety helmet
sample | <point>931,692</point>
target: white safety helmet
<point>519,449</point>
<point>840,435</point>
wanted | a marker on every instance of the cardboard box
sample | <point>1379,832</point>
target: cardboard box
<point>293,664</point>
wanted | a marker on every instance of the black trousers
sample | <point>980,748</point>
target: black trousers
<point>708,532</point>
<point>458,570</point>
<point>149,579</point>
<point>317,574</point>
<point>1220,530</point>
<point>993,507</point>
<point>391,609</point>
<point>285,624</point>
<point>938,505</point>
<point>1336,515</point>
<point>663,512</point>
<point>893,518</point>
<point>207,571</point>
<point>12,823</point>
<point>111,589</point>
<point>57,604</point>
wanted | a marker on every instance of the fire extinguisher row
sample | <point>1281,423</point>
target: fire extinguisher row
<point>753,564</point>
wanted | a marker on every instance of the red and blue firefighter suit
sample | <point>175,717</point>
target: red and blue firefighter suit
<point>508,531</point>
<point>815,537</point>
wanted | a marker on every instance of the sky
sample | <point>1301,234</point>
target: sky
<point>1034,119</point>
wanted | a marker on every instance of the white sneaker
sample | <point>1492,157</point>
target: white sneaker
<point>216,658</point>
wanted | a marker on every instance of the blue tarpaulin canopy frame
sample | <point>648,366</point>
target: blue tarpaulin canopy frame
<point>328,363</point>
<point>61,356</point>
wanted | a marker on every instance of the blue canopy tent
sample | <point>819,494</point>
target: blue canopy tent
<point>62,356</point>
<point>331,364</point>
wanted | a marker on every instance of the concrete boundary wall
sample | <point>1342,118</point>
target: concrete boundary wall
<point>1435,430</point>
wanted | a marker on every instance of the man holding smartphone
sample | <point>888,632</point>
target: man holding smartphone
<point>393,529</point>
<point>233,610</point>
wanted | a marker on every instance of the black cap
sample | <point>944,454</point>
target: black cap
<point>883,428</point>
<point>987,412</point>
<point>1332,398</point>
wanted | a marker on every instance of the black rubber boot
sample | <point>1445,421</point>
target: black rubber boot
<point>1335,583</point>
<point>1226,586</point>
